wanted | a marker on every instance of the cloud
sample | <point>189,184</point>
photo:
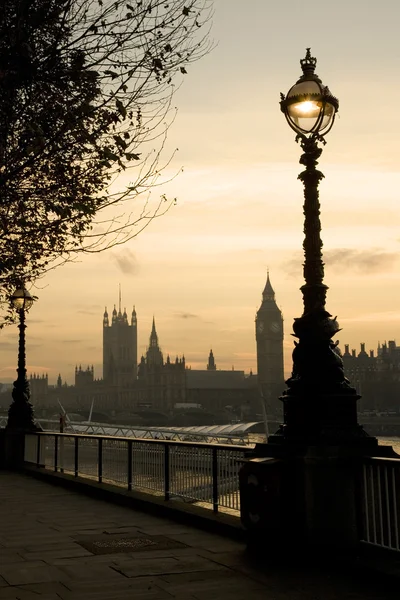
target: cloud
<point>126,261</point>
<point>363,262</point>
<point>185,315</point>
<point>6,344</point>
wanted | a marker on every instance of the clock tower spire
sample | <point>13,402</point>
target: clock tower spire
<point>269,338</point>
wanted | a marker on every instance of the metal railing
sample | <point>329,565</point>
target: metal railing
<point>380,503</point>
<point>206,474</point>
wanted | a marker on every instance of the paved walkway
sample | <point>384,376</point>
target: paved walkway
<point>56,543</point>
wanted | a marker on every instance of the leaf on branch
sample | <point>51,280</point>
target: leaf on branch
<point>186,11</point>
<point>112,74</point>
<point>168,48</point>
<point>130,156</point>
<point>109,155</point>
<point>121,108</point>
<point>119,141</point>
<point>183,70</point>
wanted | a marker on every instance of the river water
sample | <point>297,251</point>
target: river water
<point>385,441</point>
<point>391,441</point>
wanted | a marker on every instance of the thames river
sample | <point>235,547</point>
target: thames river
<point>385,441</point>
<point>391,441</point>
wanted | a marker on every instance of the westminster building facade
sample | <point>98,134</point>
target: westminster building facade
<point>165,385</point>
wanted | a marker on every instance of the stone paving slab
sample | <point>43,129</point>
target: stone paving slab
<point>40,558</point>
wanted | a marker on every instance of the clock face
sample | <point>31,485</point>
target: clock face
<point>260,327</point>
<point>275,327</point>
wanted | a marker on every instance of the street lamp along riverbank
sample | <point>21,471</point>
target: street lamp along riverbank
<point>300,491</point>
<point>320,405</point>
<point>20,413</point>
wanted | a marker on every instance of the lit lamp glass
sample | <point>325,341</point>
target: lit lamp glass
<point>309,106</point>
<point>21,299</point>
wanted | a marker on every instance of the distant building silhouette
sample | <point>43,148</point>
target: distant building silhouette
<point>375,376</point>
<point>83,378</point>
<point>163,387</point>
<point>119,347</point>
<point>39,387</point>
<point>161,384</point>
<point>269,338</point>
<point>211,366</point>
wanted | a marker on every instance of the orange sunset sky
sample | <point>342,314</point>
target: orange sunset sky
<point>201,268</point>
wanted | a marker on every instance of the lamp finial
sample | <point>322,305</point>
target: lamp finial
<point>308,63</point>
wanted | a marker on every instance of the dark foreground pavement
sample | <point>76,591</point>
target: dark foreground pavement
<point>56,543</point>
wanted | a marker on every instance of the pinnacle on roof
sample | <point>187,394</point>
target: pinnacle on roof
<point>211,362</point>
<point>153,334</point>
<point>268,293</point>
<point>119,301</point>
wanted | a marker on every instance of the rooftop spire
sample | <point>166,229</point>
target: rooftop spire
<point>268,293</point>
<point>105,318</point>
<point>153,334</point>
<point>211,366</point>
<point>119,300</point>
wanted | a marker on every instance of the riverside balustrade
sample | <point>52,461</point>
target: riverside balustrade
<point>193,472</point>
<point>379,503</point>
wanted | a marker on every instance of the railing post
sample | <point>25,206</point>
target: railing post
<point>166,471</point>
<point>61,454</point>
<point>100,460</point>
<point>215,479</point>
<point>55,452</point>
<point>76,456</point>
<point>38,450</point>
<point>130,465</point>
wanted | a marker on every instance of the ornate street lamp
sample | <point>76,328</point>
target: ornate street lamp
<point>320,406</point>
<point>20,413</point>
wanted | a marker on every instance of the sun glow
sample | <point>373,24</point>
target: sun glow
<point>307,107</point>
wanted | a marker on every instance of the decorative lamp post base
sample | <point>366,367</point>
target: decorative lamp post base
<point>20,413</point>
<point>323,420</point>
<point>320,405</point>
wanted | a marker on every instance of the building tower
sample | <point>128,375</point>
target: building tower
<point>269,338</point>
<point>154,357</point>
<point>162,384</point>
<point>120,347</point>
<point>211,366</point>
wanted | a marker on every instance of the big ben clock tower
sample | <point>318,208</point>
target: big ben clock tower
<point>269,337</point>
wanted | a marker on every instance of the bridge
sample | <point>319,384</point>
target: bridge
<point>236,433</point>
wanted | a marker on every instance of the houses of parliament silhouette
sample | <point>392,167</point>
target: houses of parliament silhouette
<point>159,386</point>
<point>164,385</point>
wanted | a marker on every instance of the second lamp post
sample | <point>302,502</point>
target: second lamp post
<point>20,413</point>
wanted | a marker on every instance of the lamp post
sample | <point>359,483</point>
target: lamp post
<point>20,413</point>
<point>320,405</point>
